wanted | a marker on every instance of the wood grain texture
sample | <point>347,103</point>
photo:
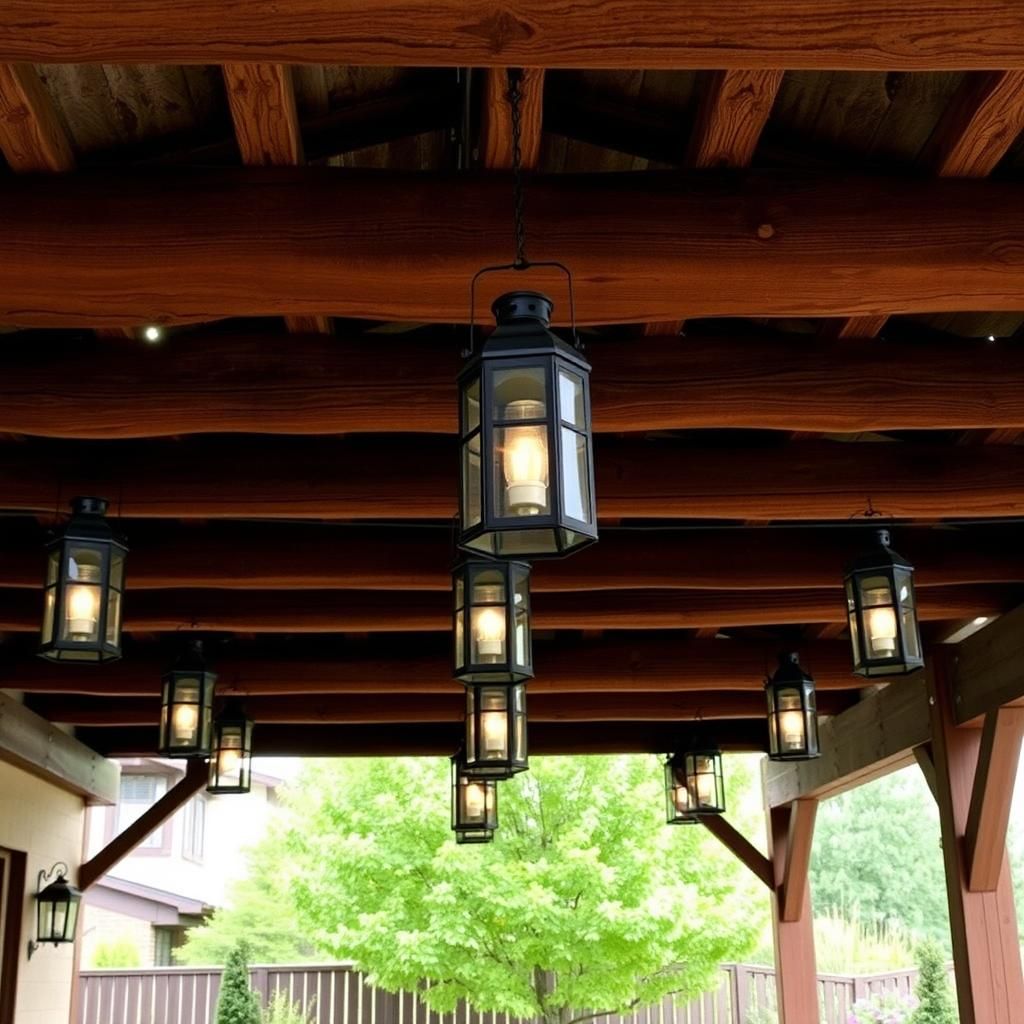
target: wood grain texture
<point>850,34</point>
<point>382,611</point>
<point>988,672</point>
<point>649,665</point>
<point>371,709</point>
<point>979,126</point>
<point>852,327</point>
<point>496,119</point>
<point>308,324</point>
<point>982,925</point>
<point>32,138</point>
<point>291,557</point>
<point>733,111</point>
<point>327,241</point>
<point>262,102</point>
<point>207,382</point>
<point>794,891</point>
<point>397,479</point>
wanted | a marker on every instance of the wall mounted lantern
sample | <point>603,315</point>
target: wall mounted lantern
<point>57,906</point>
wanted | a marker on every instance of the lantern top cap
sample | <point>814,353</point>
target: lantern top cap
<point>83,506</point>
<point>233,712</point>
<point>522,307</point>
<point>59,887</point>
<point>790,670</point>
<point>87,523</point>
<point>191,659</point>
<point>880,556</point>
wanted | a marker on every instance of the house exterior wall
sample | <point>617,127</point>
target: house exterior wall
<point>46,823</point>
<point>102,926</point>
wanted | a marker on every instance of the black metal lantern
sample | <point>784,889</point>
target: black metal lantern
<point>678,805</point>
<point>527,466</point>
<point>792,712</point>
<point>495,730</point>
<point>492,622</point>
<point>56,909</point>
<point>474,805</point>
<point>186,713</point>
<point>84,588</point>
<point>882,612</point>
<point>231,751</point>
<point>700,772</point>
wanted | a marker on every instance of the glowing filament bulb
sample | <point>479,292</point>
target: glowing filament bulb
<point>791,722</point>
<point>681,798</point>
<point>489,628</point>
<point>185,717</point>
<point>475,794</point>
<point>705,783</point>
<point>881,626</point>
<point>494,729</point>
<point>526,459</point>
<point>83,611</point>
<point>228,761</point>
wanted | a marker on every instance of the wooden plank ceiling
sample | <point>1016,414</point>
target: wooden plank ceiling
<point>791,319</point>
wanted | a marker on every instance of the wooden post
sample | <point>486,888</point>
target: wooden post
<point>983,925</point>
<point>796,980</point>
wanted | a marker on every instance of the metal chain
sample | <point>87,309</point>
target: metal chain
<point>515,95</point>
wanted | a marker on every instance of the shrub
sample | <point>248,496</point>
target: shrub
<point>120,952</point>
<point>282,1011</point>
<point>238,1004</point>
<point>935,1001</point>
<point>884,1008</point>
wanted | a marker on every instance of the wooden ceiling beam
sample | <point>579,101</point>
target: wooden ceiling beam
<point>32,138</point>
<point>261,98</point>
<point>496,119</point>
<point>654,664</point>
<point>381,709</point>
<point>987,672</point>
<point>403,479</point>
<point>845,34</point>
<point>380,611</point>
<point>295,556</point>
<point>315,385</point>
<point>733,111</point>
<point>760,246</point>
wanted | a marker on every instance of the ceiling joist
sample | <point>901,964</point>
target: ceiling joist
<point>32,138</point>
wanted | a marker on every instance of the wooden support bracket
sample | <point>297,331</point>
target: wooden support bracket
<point>991,797</point>
<point>196,776</point>
<point>798,859</point>
<point>740,847</point>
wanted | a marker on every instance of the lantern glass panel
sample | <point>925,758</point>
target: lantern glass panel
<point>575,479</point>
<point>83,594</point>
<point>854,620</point>
<point>488,614</point>
<point>57,912</point>
<point>703,772</point>
<point>880,621</point>
<point>904,581</point>
<point>471,406</point>
<point>495,731</point>
<point>186,717</point>
<point>231,760</point>
<point>791,723</point>
<point>472,472</point>
<point>678,805</point>
<point>571,403</point>
<point>521,612</point>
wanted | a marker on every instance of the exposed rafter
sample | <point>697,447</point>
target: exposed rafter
<point>496,119</point>
<point>32,138</point>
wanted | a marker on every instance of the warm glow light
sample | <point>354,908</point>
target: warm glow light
<point>228,761</point>
<point>184,722</point>
<point>494,729</point>
<point>981,620</point>
<point>526,460</point>
<point>791,725</point>
<point>476,799</point>
<point>681,798</point>
<point>83,609</point>
<point>881,627</point>
<point>705,782</point>
<point>152,333</point>
<point>489,632</point>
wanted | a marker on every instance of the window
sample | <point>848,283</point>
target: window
<point>138,794</point>
<point>163,947</point>
<point>193,840</point>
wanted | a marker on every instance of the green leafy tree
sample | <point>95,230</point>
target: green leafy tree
<point>877,857</point>
<point>585,898</point>
<point>237,1003</point>
<point>119,952</point>
<point>259,911</point>
<point>935,1001</point>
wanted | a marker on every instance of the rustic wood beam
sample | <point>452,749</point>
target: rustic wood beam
<point>496,119</point>
<point>845,34</point>
<point>992,795</point>
<point>740,847</point>
<point>31,743</point>
<point>871,739</point>
<point>988,668</point>
<point>733,111</point>
<point>759,246</point>
<point>380,611</point>
<point>317,385</point>
<point>383,708</point>
<point>443,739</point>
<point>852,327</point>
<point>413,479</point>
<point>294,556</point>
<point>794,891</point>
<point>982,925</point>
<point>978,126</point>
<point>195,778</point>
<point>32,138</point>
<point>655,664</point>
<point>262,102</point>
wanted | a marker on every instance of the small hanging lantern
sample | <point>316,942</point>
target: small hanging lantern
<point>678,807</point>
<point>792,712</point>
<point>84,588</point>
<point>882,612</point>
<point>231,752</point>
<point>700,771</point>
<point>495,731</point>
<point>474,805</point>
<point>492,622</point>
<point>527,467</point>
<point>186,713</point>
<point>56,909</point>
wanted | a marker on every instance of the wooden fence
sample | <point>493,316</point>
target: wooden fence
<point>338,994</point>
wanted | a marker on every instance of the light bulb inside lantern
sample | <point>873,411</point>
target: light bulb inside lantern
<point>526,459</point>
<point>185,720</point>
<point>489,630</point>
<point>476,800</point>
<point>681,799</point>
<point>228,761</point>
<point>705,783</point>
<point>83,607</point>
<point>881,627</point>
<point>494,733</point>
<point>791,722</point>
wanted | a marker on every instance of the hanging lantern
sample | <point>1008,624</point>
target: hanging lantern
<point>84,588</point>
<point>677,797</point>
<point>495,731</point>
<point>186,713</point>
<point>474,805</point>
<point>231,751</point>
<point>882,612</point>
<point>792,712</point>
<point>527,467</point>
<point>56,909</point>
<point>492,622</point>
<point>700,772</point>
